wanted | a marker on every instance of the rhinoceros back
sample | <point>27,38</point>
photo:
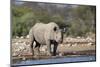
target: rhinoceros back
<point>43,32</point>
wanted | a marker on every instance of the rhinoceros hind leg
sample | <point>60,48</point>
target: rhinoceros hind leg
<point>37,49</point>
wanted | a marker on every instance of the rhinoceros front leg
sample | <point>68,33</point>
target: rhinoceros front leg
<point>55,48</point>
<point>48,48</point>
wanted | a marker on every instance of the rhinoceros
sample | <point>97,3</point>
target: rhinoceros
<point>45,34</point>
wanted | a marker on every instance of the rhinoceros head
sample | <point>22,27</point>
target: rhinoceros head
<point>58,36</point>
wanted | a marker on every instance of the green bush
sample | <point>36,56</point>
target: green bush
<point>81,20</point>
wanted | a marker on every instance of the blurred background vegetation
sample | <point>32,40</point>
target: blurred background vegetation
<point>78,20</point>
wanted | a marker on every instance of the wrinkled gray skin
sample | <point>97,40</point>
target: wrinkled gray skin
<point>45,34</point>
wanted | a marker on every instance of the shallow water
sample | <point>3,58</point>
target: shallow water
<point>56,60</point>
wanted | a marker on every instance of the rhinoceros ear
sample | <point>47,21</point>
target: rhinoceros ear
<point>55,28</point>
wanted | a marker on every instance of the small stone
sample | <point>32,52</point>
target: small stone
<point>16,43</point>
<point>60,54</point>
<point>61,45</point>
<point>14,54</point>
<point>27,36</point>
<point>19,55</point>
<point>19,41</point>
<point>43,48</point>
<point>23,58</point>
<point>74,44</point>
<point>17,37</point>
<point>24,43</point>
<point>21,37</point>
<point>74,52</point>
<point>21,47</point>
<point>68,44</point>
<point>78,37</point>
<point>18,50</point>
<point>89,44</point>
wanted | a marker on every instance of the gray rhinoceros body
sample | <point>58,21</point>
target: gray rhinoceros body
<point>45,34</point>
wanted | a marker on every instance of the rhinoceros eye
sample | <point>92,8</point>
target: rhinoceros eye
<point>55,28</point>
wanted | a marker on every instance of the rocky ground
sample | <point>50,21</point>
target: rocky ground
<point>20,46</point>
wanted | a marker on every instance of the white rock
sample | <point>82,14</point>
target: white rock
<point>18,49</point>
<point>23,58</point>
<point>60,54</point>
<point>17,37</point>
<point>21,47</point>
<point>21,37</point>
<point>61,45</point>
<point>74,52</point>
<point>89,39</point>
<point>89,44</point>
<point>74,44</point>
<point>43,48</point>
<point>16,43</point>
<point>78,37</point>
<point>14,54</point>
<point>24,43</point>
<point>19,55</point>
<point>27,36</point>
<point>19,41</point>
<point>68,44</point>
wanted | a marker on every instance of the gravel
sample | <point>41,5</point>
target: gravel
<point>20,45</point>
